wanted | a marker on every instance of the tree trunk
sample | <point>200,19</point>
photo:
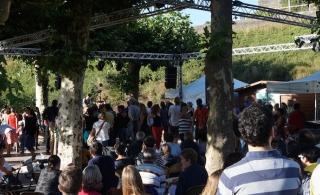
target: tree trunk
<point>134,78</point>
<point>70,120</point>
<point>41,77</point>
<point>70,114</point>
<point>218,70</point>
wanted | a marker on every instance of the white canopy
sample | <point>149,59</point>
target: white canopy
<point>310,84</point>
<point>196,90</point>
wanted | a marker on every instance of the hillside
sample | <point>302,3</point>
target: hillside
<point>250,68</point>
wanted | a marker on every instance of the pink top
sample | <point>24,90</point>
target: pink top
<point>83,192</point>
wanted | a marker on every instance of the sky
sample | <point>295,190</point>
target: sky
<point>198,17</point>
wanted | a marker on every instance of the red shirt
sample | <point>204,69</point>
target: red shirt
<point>84,192</point>
<point>201,117</point>
<point>12,120</point>
<point>296,121</point>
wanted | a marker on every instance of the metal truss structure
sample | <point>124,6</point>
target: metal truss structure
<point>162,56</point>
<point>273,15</point>
<point>149,8</point>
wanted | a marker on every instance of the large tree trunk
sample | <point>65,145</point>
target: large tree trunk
<point>221,139</point>
<point>70,120</point>
<point>70,113</point>
<point>41,77</point>
<point>134,78</point>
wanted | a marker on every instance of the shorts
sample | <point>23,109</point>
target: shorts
<point>11,137</point>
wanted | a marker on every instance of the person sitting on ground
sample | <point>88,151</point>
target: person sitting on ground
<point>258,172</point>
<point>212,183</point>
<point>49,177</point>
<point>308,158</point>
<point>174,147</point>
<point>70,180</point>
<point>149,143</point>
<point>192,174</point>
<point>153,176</point>
<point>167,158</point>
<point>91,181</point>
<point>131,181</point>
<point>122,159</point>
<point>136,146</point>
<point>106,166</point>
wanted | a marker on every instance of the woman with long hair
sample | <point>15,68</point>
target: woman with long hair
<point>212,183</point>
<point>131,181</point>
<point>156,126</point>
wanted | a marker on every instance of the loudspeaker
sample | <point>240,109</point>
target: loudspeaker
<point>171,77</point>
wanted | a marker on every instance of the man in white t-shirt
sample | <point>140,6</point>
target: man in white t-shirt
<point>174,116</point>
<point>102,136</point>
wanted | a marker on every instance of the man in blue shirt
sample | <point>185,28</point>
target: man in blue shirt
<point>106,166</point>
<point>263,170</point>
<point>193,174</point>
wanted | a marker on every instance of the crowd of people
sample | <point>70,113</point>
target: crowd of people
<point>160,149</point>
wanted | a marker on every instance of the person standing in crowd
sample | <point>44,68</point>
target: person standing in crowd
<point>200,118</point>
<point>49,116</point>
<point>121,123</point>
<point>4,116</point>
<point>185,121</point>
<point>49,177</point>
<point>164,117</point>
<point>29,131</point>
<point>174,116</point>
<point>13,123</point>
<point>91,181</point>
<point>100,130</point>
<point>38,115</point>
<point>156,126</point>
<point>131,181</point>
<point>143,120</point>
<point>295,119</point>
<point>192,174</point>
<point>106,167</point>
<point>7,134</point>
<point>258,172</point>
<point>70,180</point>
<point>134,115</point>
<point>109,118</point>
<point>90,117</point>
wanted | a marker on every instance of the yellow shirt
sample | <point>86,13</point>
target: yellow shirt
<point>315,181</point>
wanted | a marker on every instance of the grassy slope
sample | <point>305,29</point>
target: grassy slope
<point>273,66</point>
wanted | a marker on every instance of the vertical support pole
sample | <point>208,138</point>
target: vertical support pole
<point>289,5</point>
<point>180,80</point>
<point>315,107</point>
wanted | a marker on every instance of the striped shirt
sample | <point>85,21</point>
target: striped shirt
<point>265,172</point>
<point>185,125</point>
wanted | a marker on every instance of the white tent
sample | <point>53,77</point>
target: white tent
<point>196,90</point>
<point>310,84</point>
